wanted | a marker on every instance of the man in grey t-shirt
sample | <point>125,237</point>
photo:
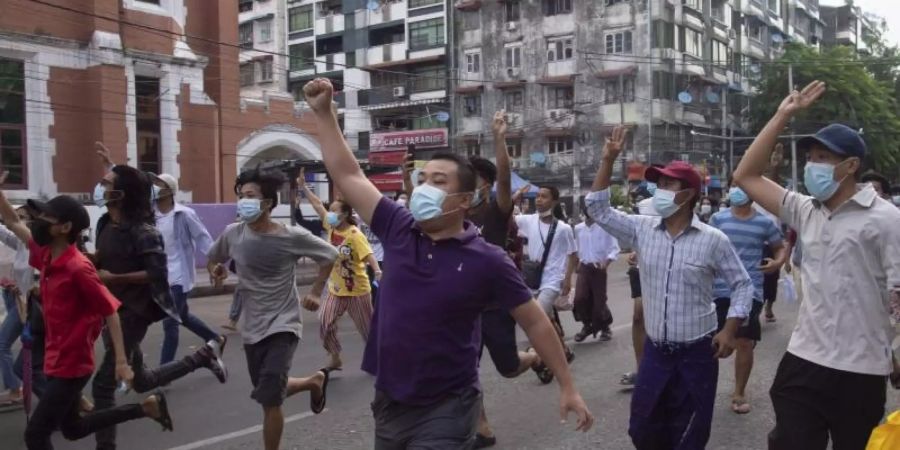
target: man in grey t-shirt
<point>265,254</point>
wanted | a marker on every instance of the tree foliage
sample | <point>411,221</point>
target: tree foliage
<point>854,97</point>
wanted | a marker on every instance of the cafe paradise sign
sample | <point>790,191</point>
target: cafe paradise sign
<point>400,140</point>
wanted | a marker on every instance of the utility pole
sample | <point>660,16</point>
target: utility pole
<point>622,122</point>
<point>725,126</point>
<point>793,141</point>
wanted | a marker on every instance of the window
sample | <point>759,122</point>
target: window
<point>12,122</point>
<point>472,105</point>
<point>513,57</point>
<point>429,78</point>
<point>513,12</point>
<point>427,33</point>
<point>755,30</point>
<point>615,2</point>
<point>618,42</point>
<point>245,34</point>
<point>265,70</point>
<point>663,34</point>
<point>774,6</point>
<point>560,97</point>
<point>514,101</point>
<point>473,62</point>
<point>693,42</point>
<point>247,74</point>
<point>473,148</point>
<point>420,3</point>
<point>663,85</point>
<point>471,20</point>
<point>265,30</point>
<point>559,49</point>
<point>557,145</point>
<point>721,54</point>
<point>612,94</point>
<point>554,7</point>
<point>300,18</point>
<point>695,4</point>
<point>302,56</point>
<point>243,5</point>
<point>514,148</point>
<point>147,96</point>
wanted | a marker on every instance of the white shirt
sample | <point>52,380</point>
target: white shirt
<point>595,246</point>
<point>851,261</point>
<point>165,223</point>
<point>563,245</point>
<point>677,273</point>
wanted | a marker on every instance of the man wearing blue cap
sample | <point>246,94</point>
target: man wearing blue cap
<point>831,381</point>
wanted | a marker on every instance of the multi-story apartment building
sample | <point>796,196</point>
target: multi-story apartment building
<point>157,81</point>
<point>846,25</point>
<point>262,33</point>
<point>568,71</point>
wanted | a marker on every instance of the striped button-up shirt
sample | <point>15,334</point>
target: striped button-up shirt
<point>677,272</point>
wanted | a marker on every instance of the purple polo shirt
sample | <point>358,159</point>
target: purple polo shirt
<point>426,331</point>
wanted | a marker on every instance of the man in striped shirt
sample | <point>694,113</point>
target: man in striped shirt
<point>750,232</point>
<point>672,404</point>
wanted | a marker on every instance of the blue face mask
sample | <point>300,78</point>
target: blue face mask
<point>738,197</point>
<point>427,202</point>
<point>819,180</point>
<point>249,209</point>
<point>333,218</point>
<point>651,188</point>
<point>664,202</point>
<point>100,195</point>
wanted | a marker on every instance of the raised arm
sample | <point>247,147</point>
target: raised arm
<point>103,154</point>
<point>504,174</point>
<point>342,166</point>
<point>750,173</point>
<point>517,197</point>
<point>10,218</point>
<point>314,199</point>
<point>619,225</point>
<point>409,165</point>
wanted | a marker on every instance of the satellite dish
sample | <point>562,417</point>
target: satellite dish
<point>442,116</point>
<point>685,97</point>
<point>712,97</point>
<point>538,158</point>
<point>373,5</point>
<point>777,38</point>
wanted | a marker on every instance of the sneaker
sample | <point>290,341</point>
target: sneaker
<point>212,361</point>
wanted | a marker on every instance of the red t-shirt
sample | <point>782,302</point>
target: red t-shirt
<point>75,303</point>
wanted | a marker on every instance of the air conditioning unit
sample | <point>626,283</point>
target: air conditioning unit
<point>399,91</point>
<point>512,26</point>
<point>512,71</point>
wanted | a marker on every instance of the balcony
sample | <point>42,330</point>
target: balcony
<point>751,46</point>
<point>385,53</point>
<point>755,8</point>
<point>330,63</point>
<point>693,65</point>
<point>330,24</point>
<point>386,13</point>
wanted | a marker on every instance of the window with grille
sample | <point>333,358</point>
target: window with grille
<point>300,18</point>
<point>513,57</point>
<point>473,148</point>
<point>554,7</point>
<point>247,75</point>
<point>514,148</point>
<point>265,70</point>
<point>663,34</point>
<point>612,92</point>
<point>245,34</point>
<point>265,30</point>
<point>693,42</point>
<point>473,62</point>
<point>560,97</point>
<point>618,43</point>
<point>302,55</point>
<point>12,123</point>
<point>513,13</point>
<point>557,145</point>
<point>560,49</point>
<point>514,101</point>
<point>426,34</point>
<point>472,105</point>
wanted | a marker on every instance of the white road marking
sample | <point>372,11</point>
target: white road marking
<point>236,434</point>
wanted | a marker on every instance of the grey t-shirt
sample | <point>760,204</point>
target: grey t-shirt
<point>266,267</point>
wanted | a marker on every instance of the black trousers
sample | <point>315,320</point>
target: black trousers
<point>134,329</point>
<point>813,403</point>
<point>59,409</point>
<point>590,298</point>
<point>448,424</point>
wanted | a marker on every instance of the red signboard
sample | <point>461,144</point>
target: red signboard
<point>393,158</point>
<point>399,140</point>
<point>388,181</point>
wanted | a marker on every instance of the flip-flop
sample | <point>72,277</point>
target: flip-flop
<point>628,379</point>
<point>318,407</point>
<point>740,406</point>
<point>164,418</point>
<point>770,318</point>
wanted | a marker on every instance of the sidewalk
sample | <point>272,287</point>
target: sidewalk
<point>306,274</point>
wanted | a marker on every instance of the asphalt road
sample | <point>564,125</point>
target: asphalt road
<point>524,413</point>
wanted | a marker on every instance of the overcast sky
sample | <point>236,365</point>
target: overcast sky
<point>889,9</point>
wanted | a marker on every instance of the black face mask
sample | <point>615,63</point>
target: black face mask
<point>40,232</point>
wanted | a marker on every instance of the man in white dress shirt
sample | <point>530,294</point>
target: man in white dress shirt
<point>596,250</point>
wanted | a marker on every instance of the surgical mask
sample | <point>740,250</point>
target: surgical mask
<point>427,202</point>
<point>819,180</point>
<point>333,218</point>
<point>651,188</point>
<point>705,209</point>
<point>40,232</point>
<point>249,209</point>
<point>738,197</point>
<point>154,194</point>
<point>100,195</point>
<point>478,199</point>
<point>664,202</point>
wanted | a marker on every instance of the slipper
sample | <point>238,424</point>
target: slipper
<point>229,327</point>
<point>482,441</point>
<point>164,418</point>
<point>741,406</point>
<point>541,370</point>
<point>628,379</point>
<point>770,318</point>
<point>318,407</point>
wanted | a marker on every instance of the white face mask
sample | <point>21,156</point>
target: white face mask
<point>705,209</point>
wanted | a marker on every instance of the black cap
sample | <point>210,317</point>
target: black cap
<point>64,209</point>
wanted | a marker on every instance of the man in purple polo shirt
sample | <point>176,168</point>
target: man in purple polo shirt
<point>425,336</point>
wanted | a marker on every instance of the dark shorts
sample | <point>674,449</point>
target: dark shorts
<point>751,330</point>
<point>447,424</point>
<point>498,334</point>
<point>634,278</point>
<point>770,286</point>
<point>269,362</point>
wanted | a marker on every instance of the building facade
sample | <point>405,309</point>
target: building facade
<point>846,25</point>
<point>678,73</point>
<point>157,81</point>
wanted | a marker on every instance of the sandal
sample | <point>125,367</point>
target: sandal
<point>318,406</point>
<point>164,418</point>
<point>482,441</point>
<point>628,379</point>
<point>542,371</point>
<point>740,406</point>
<point>770,317</point>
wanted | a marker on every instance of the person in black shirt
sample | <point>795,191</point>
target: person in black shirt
<point>131,261</point>
<point>492,216</point>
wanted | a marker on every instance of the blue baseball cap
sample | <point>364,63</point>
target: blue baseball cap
<point>838,139</point>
